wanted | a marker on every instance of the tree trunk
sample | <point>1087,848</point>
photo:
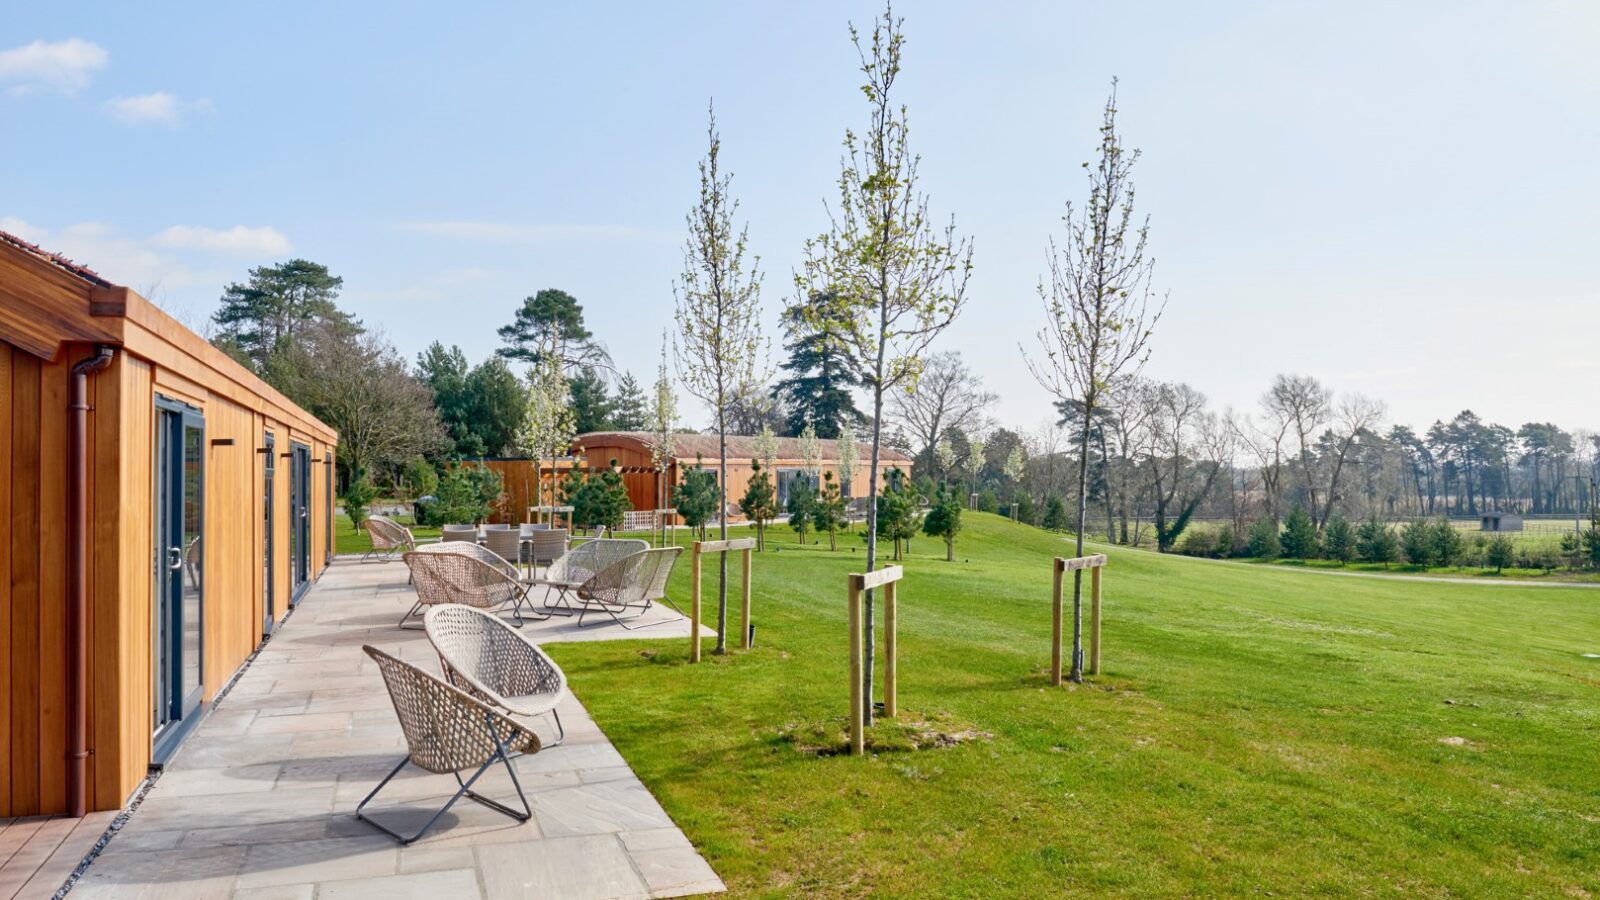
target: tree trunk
<point>722,519</point>
<point>1105,480</point>
<point>872,537</point>
<point>1083,516</point>
<point>950,550</point>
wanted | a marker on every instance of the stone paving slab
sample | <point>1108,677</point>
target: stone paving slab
<point>258,804</point>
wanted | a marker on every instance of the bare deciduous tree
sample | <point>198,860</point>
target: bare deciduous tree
<point>719,323</point>
<point>1300,404</point>
<point>947,394</point>
<point>360,386</point>
<point>1098,311</point>
<point>1356,415</point>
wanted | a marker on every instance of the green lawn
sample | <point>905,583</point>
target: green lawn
<point>348,539</point>
<point>1257,729</point>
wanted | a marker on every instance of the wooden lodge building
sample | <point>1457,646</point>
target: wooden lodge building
<point>163,508</point>
<point>632,452</point>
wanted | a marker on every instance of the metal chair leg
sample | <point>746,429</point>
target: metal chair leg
<point>407,617</point>
<point>465,790</point>
<point>561,733</point>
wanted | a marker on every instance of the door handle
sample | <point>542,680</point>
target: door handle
<point>174,558</point>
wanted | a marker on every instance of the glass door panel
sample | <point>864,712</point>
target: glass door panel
<point>300,518</point>
<point>270,454</point>
<point>178,596</point>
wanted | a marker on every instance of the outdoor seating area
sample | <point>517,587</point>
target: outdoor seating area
<point>497,567</point>
<point>343,712</point>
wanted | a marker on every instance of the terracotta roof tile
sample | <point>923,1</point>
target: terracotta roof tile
<point>56,259</point>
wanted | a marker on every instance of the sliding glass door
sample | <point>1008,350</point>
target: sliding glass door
<point>299,520</point>
<point>269,521</point>
<point>178,650</point>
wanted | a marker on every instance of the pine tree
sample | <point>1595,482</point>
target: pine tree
<point>630,411</point>
<point>550,324</point>
<point>1447,543</point>
<point>1263,542</point>
<point>818,390</point>
<point>759,504</point>
<point>1416,541</point>
<point>695,498</point>
<point>591,403</point>
<point>1500,552</point>
<point>445,372</point>
<point>1339,539</point>
<point>829,515</point>
<point>267,312</point>
<point>1299,540</point>
<point>944,520</point>
<point>898,514</point>
<point>1375,542</point>
<point>802,506</point>
<point>1055,514</point>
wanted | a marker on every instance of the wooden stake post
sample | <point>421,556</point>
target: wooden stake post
<point>1062,566</point>
<point>744,546</point>
<point>886,578</point>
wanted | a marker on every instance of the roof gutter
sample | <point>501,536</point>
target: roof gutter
<point>78,587</point>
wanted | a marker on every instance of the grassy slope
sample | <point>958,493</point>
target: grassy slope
<point>1255,729</point>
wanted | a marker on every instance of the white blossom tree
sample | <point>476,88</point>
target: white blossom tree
<point>810,451</point>
<point>847,453</point>
<point>548,425</point>
<point>663,420</point>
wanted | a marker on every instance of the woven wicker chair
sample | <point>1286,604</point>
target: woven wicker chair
<point>448,730</point>
<point>483,656</point>
<point>458,572</point>
<point>506,543</point>
<point>388,536</point>
<point>582,563</point>
<point>546,546</point>
<point>632,583</point>
<point>459,533</point>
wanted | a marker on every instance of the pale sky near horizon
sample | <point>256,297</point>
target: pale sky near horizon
<point>1399,199</point>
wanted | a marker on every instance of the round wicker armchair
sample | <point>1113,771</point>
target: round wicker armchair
<point>448,731</point>
<point>582,563</point>
<point>459,572</point>
<point>483,656</point>
<point>635,582</point>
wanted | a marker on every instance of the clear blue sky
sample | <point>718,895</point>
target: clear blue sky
<point>1401,199</point>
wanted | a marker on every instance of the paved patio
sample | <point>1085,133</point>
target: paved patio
<point>258,803</point>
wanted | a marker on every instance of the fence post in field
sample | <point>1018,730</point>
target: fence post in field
<point>744,546</point>
<point>1061,566</point>
<point>1094,620</point>
<point>857,739</point>
<point>745,553</point>
<point>888,579</point>
<point>1055,626</point>
<point>890,664</point>
<point>694,603</point>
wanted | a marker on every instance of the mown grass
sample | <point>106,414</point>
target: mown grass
<point>1256,729</point>
<point>349,539</point>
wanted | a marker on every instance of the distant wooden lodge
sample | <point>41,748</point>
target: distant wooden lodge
<point>1500,521</point>
<point>163,509</point>
<point>632,452</point>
